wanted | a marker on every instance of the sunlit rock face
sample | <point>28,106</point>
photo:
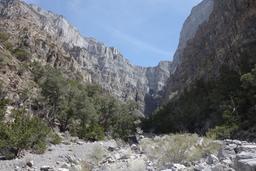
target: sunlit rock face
<point>217,34</point>
<point>52,39</point>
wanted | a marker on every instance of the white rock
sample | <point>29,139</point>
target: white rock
<point>149,163</point>
<point>178,167</point>
<point>246,165</point>
<point>63,169</point>
<point>132,157</point>
<point>227,162</point>
<point>76,168</point>
<point>202,166</point>
<point>80,142</point>
<point>201,141</point>
<point>219,167</point>
<point>237,142</point>
<point>117,156</point>
<point>245,155</point>
<point>110,160</point>
<point>247,148</point>
<point>17,168</point>
<point>134,147</point>
<point>212,159</point>
<point>225,153</point>
<point>66,165</point>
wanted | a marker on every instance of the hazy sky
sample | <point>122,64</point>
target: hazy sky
<point>144,31</point>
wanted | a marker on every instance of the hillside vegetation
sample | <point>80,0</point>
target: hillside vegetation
<point>223,108</point>
<point>52,98</point>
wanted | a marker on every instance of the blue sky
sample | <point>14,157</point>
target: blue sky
<point>144,31</point>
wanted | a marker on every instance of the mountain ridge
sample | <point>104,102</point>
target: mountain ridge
<point>98,63</point>
<point>211,48</point>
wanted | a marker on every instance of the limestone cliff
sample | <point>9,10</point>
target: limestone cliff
<point>52,39</point>
<point>217,33</point>
<point>198,16</point>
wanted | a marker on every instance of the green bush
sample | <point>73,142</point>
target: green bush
<point>123,125</point>
<point>222,132</point>
<point>54,138</point>
<point>22,55</point>
<point>8,46</point>
<point>21,69</point>
<point>23,133</point>
<point>3,102</point>
<point>94,132</point>
<point>5,58</point>
<point>86,111</point>
<point>3,37</point>
<point>221,108</point>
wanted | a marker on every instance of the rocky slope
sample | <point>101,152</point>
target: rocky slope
<point>76,155</point>
<point>52,39</point>
<point>217,33</point>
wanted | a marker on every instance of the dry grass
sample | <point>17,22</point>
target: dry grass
<point>177,148</point>
<point>97,154</point>
<point>86,166</point>
<point>137,165</point>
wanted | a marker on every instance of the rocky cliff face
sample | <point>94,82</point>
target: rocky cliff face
<point>217,33</point>
<point>198,16</point>
<point>52,39</point>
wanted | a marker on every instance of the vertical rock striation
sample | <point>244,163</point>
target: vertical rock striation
<point>198,16</point>
<point>217,33</point>
<point>52,39</point>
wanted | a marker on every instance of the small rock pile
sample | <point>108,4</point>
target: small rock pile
<point>239,155</point>
<point>234,155</point>
<point>123,158</point>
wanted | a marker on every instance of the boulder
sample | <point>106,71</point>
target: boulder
<point>30,163</point>
<point>245,155</point>
<point>227,162</point>
<point>110,160</point>
<point>17,168</point>
<point>80,142</point>
<point>178,167</point>
<point>110,145</point>
<point>247,148</point>
<point>134,147</point>
<point>212,159</point>
<point>246,165</point>
<point>46,168</point>
<point>221,167</point>
<point>226,152</point>
<point>76,168</point>
<point>202,166</point>
<point>117,156</point>
<point>66,165</point>
<point>63,169</point>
